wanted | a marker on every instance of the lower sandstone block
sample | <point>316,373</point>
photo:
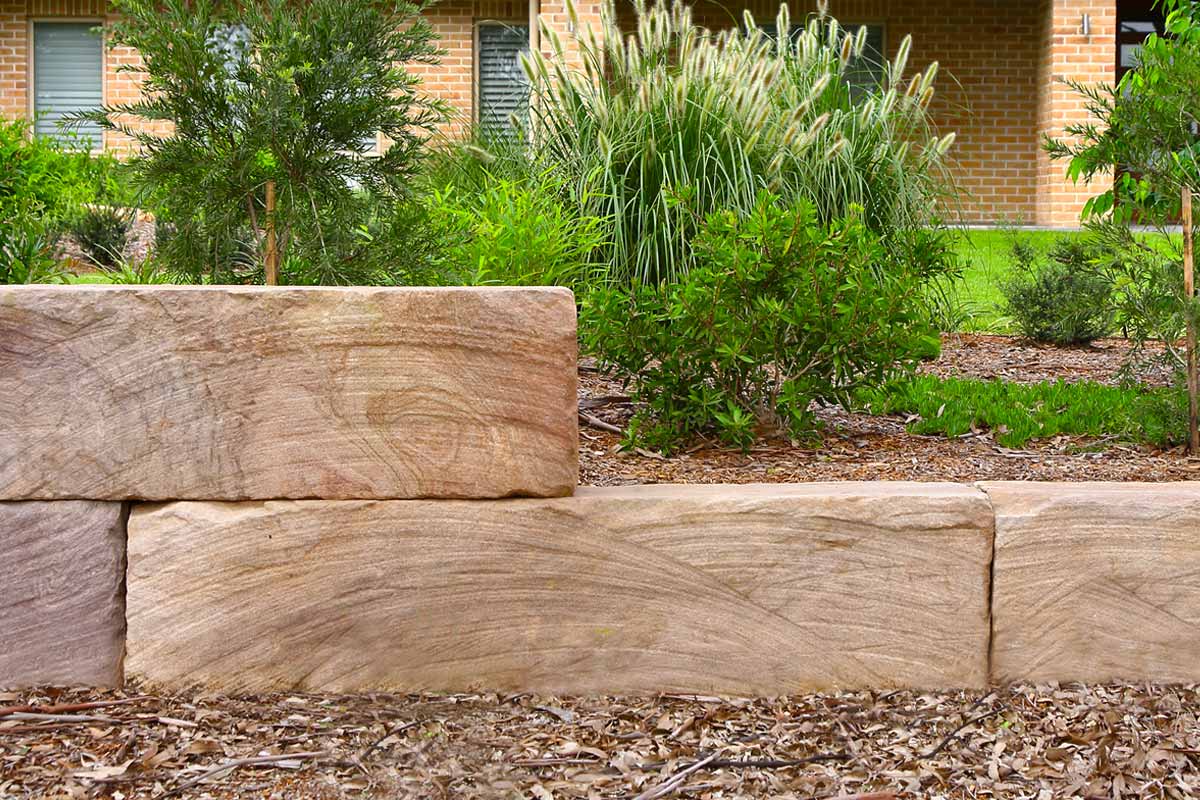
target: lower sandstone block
<point>1096,582</point>
<point>730,589</point>
<point>62,615</point>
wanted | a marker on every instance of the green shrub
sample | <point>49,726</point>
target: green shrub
<point>1146,273</point>
<point>661,129</point>
<point>102,233</point>
<point>1060,298</point>
<point>27,253</point>
<point>780,311</point>
<point>1018,413</point>
<point>51,180</point>
<point>519,234</point>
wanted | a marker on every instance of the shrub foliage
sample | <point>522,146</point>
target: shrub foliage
<point>1061,297</point>
<point>780,311</point>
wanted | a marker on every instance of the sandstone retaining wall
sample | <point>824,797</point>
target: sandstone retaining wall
<point>366,399</point>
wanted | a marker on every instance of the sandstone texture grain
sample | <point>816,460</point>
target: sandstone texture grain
<point>743,590</point>
<point>1096,581</point>
<point>234,393</point>
<point>62,612</point>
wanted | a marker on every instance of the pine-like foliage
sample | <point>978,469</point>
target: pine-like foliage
<point>236,94</point>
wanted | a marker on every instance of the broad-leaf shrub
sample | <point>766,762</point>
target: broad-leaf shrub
<point>661,128</point>
<point>780,311</point>
<point>1059,297</point>
<point>51,179</point>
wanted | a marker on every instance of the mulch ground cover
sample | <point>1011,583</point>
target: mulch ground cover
<point>862,447</point>
<point>1018,742</point>
<point>1117,741</point>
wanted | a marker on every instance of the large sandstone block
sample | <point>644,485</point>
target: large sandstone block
<point>244,392</point>
<point>730,589</point>
<point>1096,582</point>
<point>62,610</point>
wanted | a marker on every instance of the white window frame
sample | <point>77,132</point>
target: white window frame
<point>31,80</point>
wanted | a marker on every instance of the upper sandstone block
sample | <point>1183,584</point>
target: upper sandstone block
<point>1096,582</point>
<point>230,393</point>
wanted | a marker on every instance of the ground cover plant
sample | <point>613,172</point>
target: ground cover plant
<point>1019,413</point>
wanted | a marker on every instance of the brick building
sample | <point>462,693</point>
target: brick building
<point>1002,64</point>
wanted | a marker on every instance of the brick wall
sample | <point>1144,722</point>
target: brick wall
<point>1067,53</point>
<point>1001,62</point>
<point>988,51</point>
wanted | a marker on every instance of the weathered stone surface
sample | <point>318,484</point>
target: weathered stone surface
<point>1096,582</point>
<point>62,614</point>
<point>731,589</point>
<point>236,393</point>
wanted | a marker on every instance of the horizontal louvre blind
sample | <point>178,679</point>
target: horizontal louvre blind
<point>866,72</point>
<point>503,87</point>
<point>67,75</point>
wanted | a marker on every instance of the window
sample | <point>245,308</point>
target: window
<point>867,71</point>
<point>68,76</point>
<point>503,89</point>
<point>864,72</point>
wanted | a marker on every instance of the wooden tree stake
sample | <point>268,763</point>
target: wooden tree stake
<point>271,264</point>
<point>1189,291</point>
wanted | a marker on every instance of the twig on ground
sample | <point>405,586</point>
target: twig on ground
<point>61,718</point>
<point>605,400</point>
<point>229,766</point>
<point>676,780</point>
<point>954,734</point>
<point>599,424</point>
<point>757,763</point>
<point>398,729</point>
<point>65,708</point>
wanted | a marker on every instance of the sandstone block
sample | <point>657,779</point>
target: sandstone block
<point>727,589</point>
<point>231,393</point>
<point>62,613</point>
<point>1096,582</point>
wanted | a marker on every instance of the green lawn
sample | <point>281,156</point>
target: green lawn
<point>988,254</point>
<point>90,277</point>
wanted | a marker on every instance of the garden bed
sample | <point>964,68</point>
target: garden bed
<point>1073,741</point>
<point>864,447</point>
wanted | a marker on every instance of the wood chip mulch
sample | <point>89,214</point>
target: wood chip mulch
<point>860,447</point>
<point>1019,742</point>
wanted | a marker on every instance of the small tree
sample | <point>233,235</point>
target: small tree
<point>1148,127</point>
<point>273,94</point>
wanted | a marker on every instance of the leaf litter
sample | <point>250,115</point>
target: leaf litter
<point>1107,741</point>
